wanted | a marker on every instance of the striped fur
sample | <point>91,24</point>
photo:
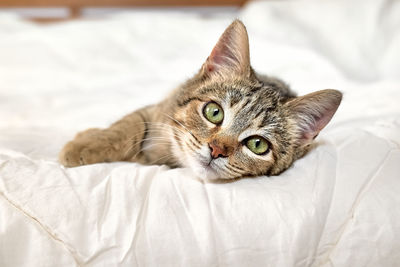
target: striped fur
<point>175,131</point>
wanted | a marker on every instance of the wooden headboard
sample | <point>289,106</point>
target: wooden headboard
<point>75,6</point>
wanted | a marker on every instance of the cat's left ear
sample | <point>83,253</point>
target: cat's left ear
<point>231,54</point>
<point>312,112</point>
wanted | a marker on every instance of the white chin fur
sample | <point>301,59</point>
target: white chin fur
<point>204,173</point>
<point>201,171</point>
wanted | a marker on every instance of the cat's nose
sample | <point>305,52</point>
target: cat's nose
<point>217,150</point>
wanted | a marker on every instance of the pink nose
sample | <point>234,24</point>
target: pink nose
<point>217,151</point>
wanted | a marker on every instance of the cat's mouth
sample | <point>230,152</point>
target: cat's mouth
<point>207,164</point>
<point>208,168</point>
<point>203,165</point>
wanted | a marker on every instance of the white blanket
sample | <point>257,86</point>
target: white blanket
<point>337,206</point>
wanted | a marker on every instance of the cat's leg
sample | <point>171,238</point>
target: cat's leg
<point>119,142</point>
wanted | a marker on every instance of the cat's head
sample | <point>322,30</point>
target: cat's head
<point>232,123</point>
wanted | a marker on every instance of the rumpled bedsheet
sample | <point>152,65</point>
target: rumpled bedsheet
<point>337,206</point>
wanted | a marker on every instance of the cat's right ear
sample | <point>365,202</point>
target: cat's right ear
<point>231,54</point>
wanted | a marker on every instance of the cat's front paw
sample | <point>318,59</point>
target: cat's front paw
<point>70,155</point>
<point>79,153</point>
<point>87,148</point>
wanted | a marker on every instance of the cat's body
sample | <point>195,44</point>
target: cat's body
<point>225,122</point>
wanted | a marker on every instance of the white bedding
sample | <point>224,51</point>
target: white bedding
<point>338,206</point>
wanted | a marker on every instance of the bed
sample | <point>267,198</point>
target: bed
<point>337,206</point>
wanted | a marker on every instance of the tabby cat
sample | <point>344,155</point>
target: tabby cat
<point>225,122</point>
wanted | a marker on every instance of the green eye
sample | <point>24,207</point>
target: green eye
<point>257,145</point>
<point>213,112</point>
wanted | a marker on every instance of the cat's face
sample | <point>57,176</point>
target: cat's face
<point>233,124</point>
<point>237,128</point>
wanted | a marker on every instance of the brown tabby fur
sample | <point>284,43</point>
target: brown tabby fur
<point>175,131</point>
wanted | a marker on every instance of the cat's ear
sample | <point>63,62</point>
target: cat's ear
<point>312,112</point>
<point>230,54</point>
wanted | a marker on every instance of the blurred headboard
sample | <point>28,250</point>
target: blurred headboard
<point>75,6</point>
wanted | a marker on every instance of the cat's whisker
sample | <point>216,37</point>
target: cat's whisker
<point>185,134</point>
<point>151,145</point>
<point>194,150</point>
<point>161,126</point>
<point>168,156</point>
<point>140,134</point>
<point>176,128</point>
<point>240,171</point>
<point>223,170</point>
<point>189,137</point>
<point>133,138</point>
<point>175,120</point>
<point>152,139</point>
<point>131,146</point>
<point>231,172</point>
<point>191,143</point>
<point>237,167</point>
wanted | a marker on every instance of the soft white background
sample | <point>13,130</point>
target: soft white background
<point>335,207</point>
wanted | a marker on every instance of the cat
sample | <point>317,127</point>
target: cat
<point>225,122</point>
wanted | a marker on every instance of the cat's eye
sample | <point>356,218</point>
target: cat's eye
<point>213,113</point>
<point>257,145</point>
